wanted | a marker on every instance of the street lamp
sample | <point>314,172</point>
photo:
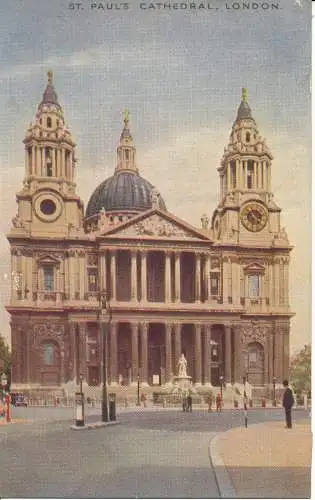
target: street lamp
<point>221,384</point>
<point>274,391</point>
<point>81,381</point>
<point>138,390</point>
<point>105,313</point>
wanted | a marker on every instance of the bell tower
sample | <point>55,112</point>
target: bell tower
<point>246,212</point>
<point>47,203</point>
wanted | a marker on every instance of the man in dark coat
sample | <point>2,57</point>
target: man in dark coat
<point>287,404</point>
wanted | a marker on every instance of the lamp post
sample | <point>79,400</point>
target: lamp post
<point>81,381</point>
<point>138,390</point>
<point>105,313</point>
<point>221,384</point>
<point>245,402</point>
<point>274,391</point>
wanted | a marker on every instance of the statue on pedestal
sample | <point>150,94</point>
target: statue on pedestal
<point>182,366</point>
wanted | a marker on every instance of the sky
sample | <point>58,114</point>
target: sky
<point>180,72</point>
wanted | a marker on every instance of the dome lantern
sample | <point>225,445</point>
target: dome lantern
<point>126,151</point>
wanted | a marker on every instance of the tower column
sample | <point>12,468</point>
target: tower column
<point>144,276</point>
<point>268,178</point>
<point>168,352</point>
<point>228,170</point>
<point>177,277</point>
<point>228,355</point>
<point>198,353</point>
<point>134,277</point>
<point>54,163</point>
<point>167,278</point>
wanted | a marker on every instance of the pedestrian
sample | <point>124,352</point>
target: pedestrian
<point>219,402</point>
<point>210,401</point>
<point>287,404</point>
<point>189,402</point>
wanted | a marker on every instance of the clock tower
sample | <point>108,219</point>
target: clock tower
<point>247,212</point>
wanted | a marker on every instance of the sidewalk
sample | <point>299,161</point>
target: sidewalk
<point>3,421</point>
<point>265,460</point>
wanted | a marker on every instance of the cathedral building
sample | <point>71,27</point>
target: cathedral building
<point>218,293</point>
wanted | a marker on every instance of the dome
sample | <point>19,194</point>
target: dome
<point>123,192</point>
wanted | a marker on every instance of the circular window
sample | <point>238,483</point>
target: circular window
<point>48,207</point>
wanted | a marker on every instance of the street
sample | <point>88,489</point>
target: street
<point>154,453</point>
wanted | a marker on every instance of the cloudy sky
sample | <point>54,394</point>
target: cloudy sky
<point>180,73</point>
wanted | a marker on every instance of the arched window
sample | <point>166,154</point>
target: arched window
<point>48,122</point>
<point>49,354</point>
<point>247,137</point>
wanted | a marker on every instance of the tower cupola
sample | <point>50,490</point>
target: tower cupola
<point>245,165</point>
<point>49,145</point>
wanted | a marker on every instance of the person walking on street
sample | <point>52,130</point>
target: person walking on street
<point>189,402</point>
<point>219,402</point>
<point>287,404</point>
<point>210,401</point>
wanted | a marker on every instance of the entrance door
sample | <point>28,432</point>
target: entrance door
<point>254,363</point>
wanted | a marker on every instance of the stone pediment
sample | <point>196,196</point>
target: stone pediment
<point>156,224</point>
<point>254,267</point>
<point>47,259</point>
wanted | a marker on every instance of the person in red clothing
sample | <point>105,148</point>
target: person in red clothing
<point>219,402</point>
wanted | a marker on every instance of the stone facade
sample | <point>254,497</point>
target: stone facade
<point>218,293</point>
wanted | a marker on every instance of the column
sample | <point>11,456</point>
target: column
<point>178,344</point>
<point>144,352</point>
<point>82,350</point>
<point>230,287</point>
<point>168,352</point>
<point>113,274</point>
<point>228,177</point>
<point>33,172</point>
<point>113,354</point>
<point>54,167</point>
<point>71,165</point>
<point>198,353</point>
<point>134,276</point>
<point>271,364</point>
<point>258,175</point>
<point>144,276</point>
<point>238,364</point>
<point>207,355</point>
<point>266,356</point>
<point>167,277</point>
<point>207,278</point>
<point>255,175</point>
<point>197,278</point>
<point>38,161</point>
<point>134,351</point>
<point>177,277</point>
<point>63,162</point>
<point>225,280</point>
<point>276,277</point>
<point>103,280</point>
<point>268,178</point>
<point>228,355</point>
<point>42,170</point>
<point>83,271</point>
<point>286,352</point>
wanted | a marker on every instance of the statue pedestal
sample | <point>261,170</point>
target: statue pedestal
<point>182,383</point>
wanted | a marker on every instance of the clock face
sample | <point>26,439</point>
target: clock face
<point>254,217</point>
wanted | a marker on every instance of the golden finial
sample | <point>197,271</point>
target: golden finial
<point>50,77</point>
<point>244,94</point>
<point>126,115</point>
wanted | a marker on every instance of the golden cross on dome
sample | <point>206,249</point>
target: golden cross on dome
<point>244,94</point>
<point>126,116</point>
<point>50,77</point>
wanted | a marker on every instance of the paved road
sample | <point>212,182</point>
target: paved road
<point>149,454</point>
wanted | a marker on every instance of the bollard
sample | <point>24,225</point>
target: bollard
<point>126,403</point>
<point>164,403</point>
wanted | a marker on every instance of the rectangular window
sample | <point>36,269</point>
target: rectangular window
<point>254,285</point>
<point>49,278</point>
<point>92,280</point>
<point>214,284</point>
